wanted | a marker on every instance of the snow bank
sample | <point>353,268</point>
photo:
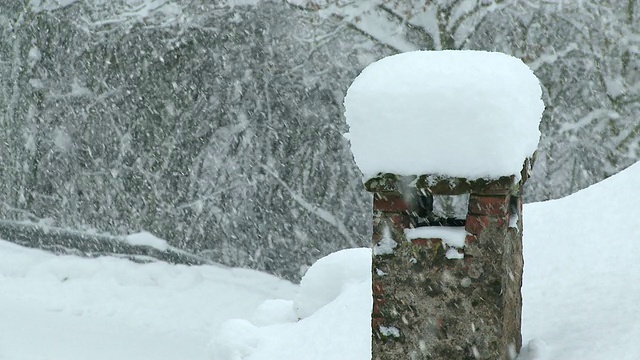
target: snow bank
<point>334,304</point>
<point>72,308</point>
<point>581,271</point>
<point>579,297</point>
<point>329,277</point>
<point>145,238</point>
<point>579,289</point>
<point>470,114</point>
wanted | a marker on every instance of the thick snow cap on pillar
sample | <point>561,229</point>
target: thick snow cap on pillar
<point>468,114</point>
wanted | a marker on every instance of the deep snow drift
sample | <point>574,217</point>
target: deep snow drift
<point>580,297</point>
<point>580,293</point>
<point>71,308</point>
<point>471,114</point>
<point>581,271</point>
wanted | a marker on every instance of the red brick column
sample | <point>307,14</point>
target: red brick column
<point>428,304</point>
<point>495,242</point>
<point>391,215</point>
<point>485,210</point>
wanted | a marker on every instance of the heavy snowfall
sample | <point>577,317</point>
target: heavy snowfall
<point>217,126</point>
<point>175,182</point>
<point>578,293</point>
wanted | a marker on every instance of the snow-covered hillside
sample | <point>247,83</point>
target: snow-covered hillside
<point>580,297</point>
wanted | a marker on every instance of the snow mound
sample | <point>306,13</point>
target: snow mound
<point>328,278</point>
<point>274,311</point>
<point>579,297</point>
<point>481,109</point>
<point>145,238</point>
<point>116,309</point>
<point>578,291</point>
<point>236,340</point>
<point>581,269</point>
<point>338,327</point>
<point>536,349</point>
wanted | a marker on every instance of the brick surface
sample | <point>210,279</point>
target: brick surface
<point>488,205</point>
<point>419,291</point>
<point>394,222</point>
<point>501,186</point>
<point>475,224</point>
<point>378,301</point>
<point>390,203</point>
<point>470,239</point>
<point>400,221</point>
<point>426,242</point>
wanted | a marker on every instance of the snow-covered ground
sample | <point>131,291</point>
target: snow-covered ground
<point>581,285</point>
<point>68,308</point>
<point>581,297</point>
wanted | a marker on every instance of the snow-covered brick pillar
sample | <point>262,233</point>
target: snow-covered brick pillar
<point>445,141</point>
